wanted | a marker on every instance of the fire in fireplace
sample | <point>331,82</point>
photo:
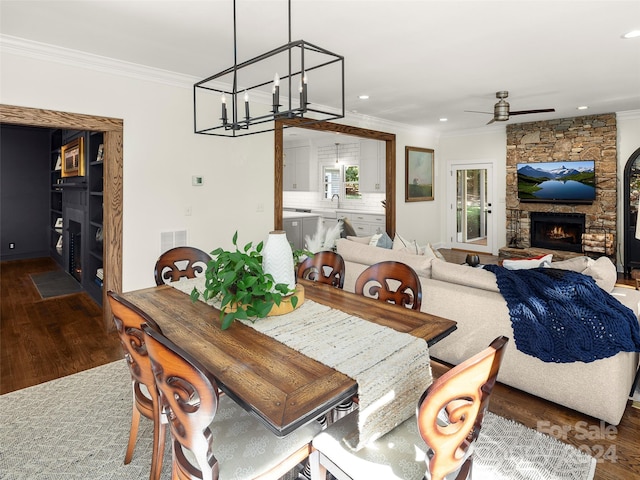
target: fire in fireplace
<point>557,231</point>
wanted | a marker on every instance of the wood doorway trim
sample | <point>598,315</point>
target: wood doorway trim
<point>390,170</point>
<point>113,160</point>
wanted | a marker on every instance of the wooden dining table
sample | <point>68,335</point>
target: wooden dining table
<point>282,386</point>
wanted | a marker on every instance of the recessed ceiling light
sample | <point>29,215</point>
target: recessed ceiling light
<point>444,119</point>
<point>632,34</point>
<point>363,97</point>
<point>582,107</point>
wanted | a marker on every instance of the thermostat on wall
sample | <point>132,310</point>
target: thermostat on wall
<point>197,180</point>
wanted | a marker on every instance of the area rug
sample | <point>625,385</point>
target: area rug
<point>77,427</point>
<point>55,283</point>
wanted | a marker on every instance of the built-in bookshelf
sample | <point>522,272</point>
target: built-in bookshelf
<point>55,203</point>
<point>76,206</point>
<point>94,264</point>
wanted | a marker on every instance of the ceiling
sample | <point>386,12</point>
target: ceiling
<point>419,61</point>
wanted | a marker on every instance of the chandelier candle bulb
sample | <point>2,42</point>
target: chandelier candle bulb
<point>276,92</point>
<point>223,100</point>
<point>246,105</point>
<point>303,92</point>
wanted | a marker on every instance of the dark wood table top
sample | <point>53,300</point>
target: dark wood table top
<point>283,387</point>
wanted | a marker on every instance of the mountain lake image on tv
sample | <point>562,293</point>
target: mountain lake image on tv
<point>568,181</point>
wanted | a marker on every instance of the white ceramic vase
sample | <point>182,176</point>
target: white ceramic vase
<point>277,259</point>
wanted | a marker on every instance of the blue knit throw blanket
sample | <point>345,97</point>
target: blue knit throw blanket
<point>563,316</point>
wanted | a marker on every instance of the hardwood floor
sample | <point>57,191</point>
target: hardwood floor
<point>46,339</point>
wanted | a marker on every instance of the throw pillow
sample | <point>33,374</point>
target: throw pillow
<point>400,243</point>
<point>384,241</point>
<point>603,272</point>
<point>374,239</point>
<point>575,264</point>
<point>347,228</point>
<point>526,263</point>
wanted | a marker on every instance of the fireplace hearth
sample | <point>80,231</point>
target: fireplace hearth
<point>557,231</point>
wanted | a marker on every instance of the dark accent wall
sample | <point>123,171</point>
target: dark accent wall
<point>24,192</point>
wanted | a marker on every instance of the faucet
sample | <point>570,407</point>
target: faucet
<point>336,195</point>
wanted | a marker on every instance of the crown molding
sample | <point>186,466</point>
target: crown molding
<point>76,58</point>
<point>628,115</point>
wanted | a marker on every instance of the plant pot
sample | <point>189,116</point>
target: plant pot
<point>285,305</point>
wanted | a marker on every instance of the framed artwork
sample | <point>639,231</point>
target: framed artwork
<point>418,185</point>
<point>73,158</point>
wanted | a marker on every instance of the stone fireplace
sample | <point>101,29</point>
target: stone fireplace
<point>557,231</point>
<point>591,137</point>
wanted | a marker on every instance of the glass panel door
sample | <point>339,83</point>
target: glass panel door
<point>471,228</point>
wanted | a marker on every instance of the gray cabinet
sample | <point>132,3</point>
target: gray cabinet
<point>372,166</point>
<point>296,169</point>
<point>298,227</point>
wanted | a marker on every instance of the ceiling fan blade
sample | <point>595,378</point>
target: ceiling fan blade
<point>524,112</point>
<point>476,111</point>
<point>491,121</point>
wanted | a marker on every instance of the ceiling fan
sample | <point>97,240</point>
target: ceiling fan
<point>501,111</point>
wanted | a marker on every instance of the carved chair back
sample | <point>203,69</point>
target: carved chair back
<point>180,262</point>
<point>392,282</point>
<point>128,320</point>
<point>451,410</point>
<point>324,267</point>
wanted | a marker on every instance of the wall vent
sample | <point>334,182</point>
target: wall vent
<point>169,240</point>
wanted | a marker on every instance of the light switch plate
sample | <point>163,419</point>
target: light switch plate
<point>197,180</point>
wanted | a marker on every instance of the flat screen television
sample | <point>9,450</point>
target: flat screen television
<point>558,182</point>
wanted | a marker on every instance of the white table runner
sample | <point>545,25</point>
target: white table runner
<point>392,369</point>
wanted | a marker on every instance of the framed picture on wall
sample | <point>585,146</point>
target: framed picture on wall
<point>73,158</point>
<point>418,174</point>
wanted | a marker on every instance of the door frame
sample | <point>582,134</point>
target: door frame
<point>112,129</point>
<point>452,167</point>
<point>390,169</point>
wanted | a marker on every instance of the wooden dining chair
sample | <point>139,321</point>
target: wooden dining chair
<point>324,267</point>
<point>204,424</point>
<point>443,433</point>
<point>392,282</point>
<point>128,320</point>
<point>180,262</point>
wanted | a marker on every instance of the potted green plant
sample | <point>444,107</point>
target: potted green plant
<point>237,278</point>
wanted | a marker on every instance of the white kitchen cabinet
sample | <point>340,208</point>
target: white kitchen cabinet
<point>372,166</point>
<point>296,170</point>
<point>364,224</point>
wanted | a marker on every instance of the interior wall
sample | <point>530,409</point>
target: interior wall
<point>488,145</point>
<point>24,192</point>
<point>161,154</point>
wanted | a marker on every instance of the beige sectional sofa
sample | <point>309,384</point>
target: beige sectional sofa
<point>471,297</point>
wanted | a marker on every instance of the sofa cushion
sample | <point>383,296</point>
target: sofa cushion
<point>576,264</point>
<point>463,275</point>
<point>603,272</point>
<point>363,240</point>
<point>368,255</point>
<point>526,263</point>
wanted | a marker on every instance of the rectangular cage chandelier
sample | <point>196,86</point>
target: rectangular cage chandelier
<point>297,80</point>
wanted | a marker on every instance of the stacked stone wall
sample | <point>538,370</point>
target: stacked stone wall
<point>591,137</point>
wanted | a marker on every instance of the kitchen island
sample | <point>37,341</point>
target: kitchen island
<point>297,225</point>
